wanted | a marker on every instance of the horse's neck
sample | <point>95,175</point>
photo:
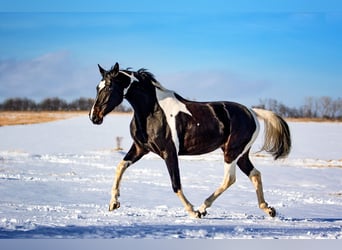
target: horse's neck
<point>142,103</point>
<point>143,106</point>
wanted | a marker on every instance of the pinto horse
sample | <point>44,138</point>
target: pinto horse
<point>169,125</point>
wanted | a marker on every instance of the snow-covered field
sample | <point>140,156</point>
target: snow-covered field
<point>55,181</point>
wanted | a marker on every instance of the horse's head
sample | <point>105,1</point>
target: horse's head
<point>110,92</point>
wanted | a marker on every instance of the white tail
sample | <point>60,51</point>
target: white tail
<point>277,134</point>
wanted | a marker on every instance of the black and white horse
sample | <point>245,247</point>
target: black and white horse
<point>169,125</point>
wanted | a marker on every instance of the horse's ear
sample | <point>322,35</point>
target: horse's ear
<point>114,70</point>
<point>102,71</point>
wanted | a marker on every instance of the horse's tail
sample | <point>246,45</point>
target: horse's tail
<point>277,134</point>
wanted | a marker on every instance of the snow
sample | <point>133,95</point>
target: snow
<point>55,181</point>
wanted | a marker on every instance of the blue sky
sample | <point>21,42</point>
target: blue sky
<point>242,51</point>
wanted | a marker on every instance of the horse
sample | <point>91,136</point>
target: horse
<point>169,125</point>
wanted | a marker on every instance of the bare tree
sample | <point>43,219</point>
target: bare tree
<point>18,104</point>
<point>308,107</point>
<point>313,107</point>
<point>53,104</point>
<point>81,104</point>
<point>325,103</point>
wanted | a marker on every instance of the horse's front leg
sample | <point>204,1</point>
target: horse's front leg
<point>133,155</point>
<point>120,169</point>
<point>187,205</point>
<point>172,165</point>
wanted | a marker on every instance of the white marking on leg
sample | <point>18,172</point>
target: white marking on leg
<point>228,179</point>
<point>187,205</point>
<point>255,177</point>
<point>171,107</point>
<point>120,169</point>
<point>229,174</point>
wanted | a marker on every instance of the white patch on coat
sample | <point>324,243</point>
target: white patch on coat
<point>101,85</point>
<point>171,107</point>
<point>133,79</point>
<point>254,136</point>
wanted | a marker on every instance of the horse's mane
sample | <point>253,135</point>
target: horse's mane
<point>146,75</point>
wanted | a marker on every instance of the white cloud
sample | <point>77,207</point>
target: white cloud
<point>57,74</point>
<point>216,85</point>
<point>50,75</point>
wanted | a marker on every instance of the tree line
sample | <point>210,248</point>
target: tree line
<point>323,107</point>
<point>314,107</point>
<point>52,104</point>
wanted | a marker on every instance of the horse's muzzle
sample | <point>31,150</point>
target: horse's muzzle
<point>95,119</point>
<point>95,116</point>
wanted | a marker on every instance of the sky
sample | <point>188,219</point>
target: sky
<point>243,51</point>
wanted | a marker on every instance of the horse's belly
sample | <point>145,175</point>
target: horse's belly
<point>197,146</point>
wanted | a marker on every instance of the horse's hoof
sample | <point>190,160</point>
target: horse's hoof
<point>203,213</point>
<point>198,215</point>
<point>114,206</point>
<point>195,214</point>
<point>271,212</point>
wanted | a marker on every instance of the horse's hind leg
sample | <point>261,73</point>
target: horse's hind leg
<point>228,179</point>
<point>231,150</point>
<point>254,175</point>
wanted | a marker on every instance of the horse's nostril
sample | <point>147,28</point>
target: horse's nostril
<point>96,120</point>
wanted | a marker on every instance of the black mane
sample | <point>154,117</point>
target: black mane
<point>143,73</point>
<point>146,75</point>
